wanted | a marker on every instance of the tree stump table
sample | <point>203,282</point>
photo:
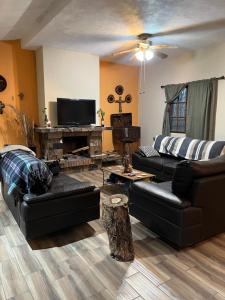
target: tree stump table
<point>116,222</point>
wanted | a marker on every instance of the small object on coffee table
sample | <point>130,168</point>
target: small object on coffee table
<point>116,222</point>
<point>127,165</point>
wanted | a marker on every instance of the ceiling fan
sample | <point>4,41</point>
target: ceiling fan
<point>145,50</point>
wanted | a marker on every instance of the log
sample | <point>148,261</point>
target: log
<point>116,222</point>
<point>80,149</point>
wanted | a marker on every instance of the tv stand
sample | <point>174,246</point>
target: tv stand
<point>59,141</point>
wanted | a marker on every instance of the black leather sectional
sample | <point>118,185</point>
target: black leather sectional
<point>186,210</point>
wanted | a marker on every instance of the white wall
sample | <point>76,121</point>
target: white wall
<point>202,64</point>
<point>40,83</point>
<point>65,74</point>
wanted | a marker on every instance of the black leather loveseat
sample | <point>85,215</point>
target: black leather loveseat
<point>186,210</point>
<point>67,203</point>
<point>169,151</point>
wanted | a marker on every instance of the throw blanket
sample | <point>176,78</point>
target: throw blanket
<point>23,172</point>
<point>9,148</point>
<point>188,148</point>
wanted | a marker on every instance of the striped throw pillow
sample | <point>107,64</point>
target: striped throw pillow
<point>212,149</point>
<point>194,149</point>
<point>173,146</point>
<point>161,142</point>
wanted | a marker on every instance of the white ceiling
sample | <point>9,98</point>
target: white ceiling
<point>103,26</point>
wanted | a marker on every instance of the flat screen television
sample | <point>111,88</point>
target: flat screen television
<point>75,112</point>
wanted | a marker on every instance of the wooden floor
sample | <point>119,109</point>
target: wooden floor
<point>75,264</point>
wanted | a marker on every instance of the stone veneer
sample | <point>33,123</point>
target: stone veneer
<point>51,144</point>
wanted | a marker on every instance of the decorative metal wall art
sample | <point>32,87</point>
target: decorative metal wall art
<point>3,83</point>
<point>119,89</point>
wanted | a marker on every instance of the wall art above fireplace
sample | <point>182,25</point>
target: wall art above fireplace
<point>119,89</point>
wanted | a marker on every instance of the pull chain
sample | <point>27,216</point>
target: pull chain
<point>142,77</point>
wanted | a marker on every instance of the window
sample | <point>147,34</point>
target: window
<point>178,113</point>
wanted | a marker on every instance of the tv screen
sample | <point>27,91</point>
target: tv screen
<point>75,112</point>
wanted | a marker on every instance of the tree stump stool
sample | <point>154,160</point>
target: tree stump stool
<point>116,222</point>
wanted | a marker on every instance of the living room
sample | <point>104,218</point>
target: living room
<point>112,149</point>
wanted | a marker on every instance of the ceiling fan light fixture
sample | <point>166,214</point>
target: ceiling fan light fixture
<point>140,55</point>
<point>149,54</point>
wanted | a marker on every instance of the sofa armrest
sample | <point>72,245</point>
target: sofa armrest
<point>79,188</point>
<point>160,193</point>
<point>208,192</point>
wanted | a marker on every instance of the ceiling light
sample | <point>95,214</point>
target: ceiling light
<point>148,54</point>
<point>140,55</point>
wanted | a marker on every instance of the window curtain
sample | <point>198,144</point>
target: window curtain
<point>172,91</point>
<point>201,109</point>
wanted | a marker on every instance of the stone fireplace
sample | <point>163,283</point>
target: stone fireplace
<point>59,143</point>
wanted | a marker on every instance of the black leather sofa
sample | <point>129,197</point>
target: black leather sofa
<point>186,210</point>
<point>67,203</point>
<point>162,166</point>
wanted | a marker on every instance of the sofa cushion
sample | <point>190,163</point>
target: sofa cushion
<point>164,164</point>
<point>186,171</point>
<point>153,162</point>
<point>62,185</point>
<point>214,166</point>
<point>151,202</point>
<point>163,193</point>
<point>67,195</point>
<point>169,165</point>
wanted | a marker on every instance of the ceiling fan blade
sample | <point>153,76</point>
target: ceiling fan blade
<point>212,25</point>
<point>124,51</point>
<point>104,38</point>
<point>161,55</point>
<point>155,47</point>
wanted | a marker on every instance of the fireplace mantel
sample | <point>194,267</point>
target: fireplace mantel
<point>52,147</point>
<point>68,129</point>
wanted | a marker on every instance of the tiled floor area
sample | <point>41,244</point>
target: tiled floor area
<point>75,264</point>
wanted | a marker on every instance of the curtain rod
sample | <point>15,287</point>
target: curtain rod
<point>218,78</point>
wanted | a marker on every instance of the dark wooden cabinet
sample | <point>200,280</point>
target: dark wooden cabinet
<point>123,132</point>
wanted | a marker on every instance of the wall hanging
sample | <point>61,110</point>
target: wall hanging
<point>3,83</point>
<point>119,89</point>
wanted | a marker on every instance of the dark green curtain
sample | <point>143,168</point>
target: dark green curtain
<point>201,109</point>
<point>171,92</point>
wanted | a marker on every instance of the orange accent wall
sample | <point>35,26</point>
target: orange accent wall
<point>111,75</point>
<point>18,66</point>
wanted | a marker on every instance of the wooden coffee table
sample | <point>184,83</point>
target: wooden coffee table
<point>136,175</point>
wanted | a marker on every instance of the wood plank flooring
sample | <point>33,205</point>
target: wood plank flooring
<point>75,264</point>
